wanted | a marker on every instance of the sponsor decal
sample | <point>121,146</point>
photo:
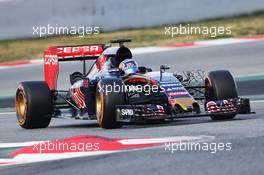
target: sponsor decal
<point>50,59</point>
<point>171,84</point>
<point>77,49</point>
<point>129,112</point>
<point>178,93</point>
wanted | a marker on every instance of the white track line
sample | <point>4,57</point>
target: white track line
<point>19,144</point>
<point>163,140</point>
<point>257,101</point>
<point>32,158</point>
<point>7,113</point>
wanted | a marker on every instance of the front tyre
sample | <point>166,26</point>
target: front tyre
<point>220,85</point>
<point>106,100</point>
<point>33,104</point>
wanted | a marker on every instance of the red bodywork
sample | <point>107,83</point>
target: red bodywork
<point>54,55</point>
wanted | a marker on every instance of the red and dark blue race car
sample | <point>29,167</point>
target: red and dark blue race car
<point>116,91</point>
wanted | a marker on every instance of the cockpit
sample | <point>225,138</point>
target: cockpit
<point>117,54</point>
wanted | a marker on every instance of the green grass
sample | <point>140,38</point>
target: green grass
<point>24,49</point>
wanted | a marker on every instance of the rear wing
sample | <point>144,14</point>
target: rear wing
<point>54,55</point>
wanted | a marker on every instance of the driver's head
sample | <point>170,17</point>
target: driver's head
<point>128,66</point>
<point>121,54</point>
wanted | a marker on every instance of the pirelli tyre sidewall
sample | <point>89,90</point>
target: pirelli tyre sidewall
<point>220,85</point>
<point>33,104</point>
<point>106,103</point>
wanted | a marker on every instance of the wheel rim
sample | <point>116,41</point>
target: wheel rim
<point>99,107</point>
<point>21,106</point>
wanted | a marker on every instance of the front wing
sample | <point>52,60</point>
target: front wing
<point>152,112</point>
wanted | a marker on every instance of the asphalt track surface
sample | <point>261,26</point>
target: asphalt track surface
<point>246,132</point>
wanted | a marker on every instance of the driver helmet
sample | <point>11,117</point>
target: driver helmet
<point>120,55</point>
<point>128,66</point>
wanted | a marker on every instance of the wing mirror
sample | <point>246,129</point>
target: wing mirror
<point>163,68</point>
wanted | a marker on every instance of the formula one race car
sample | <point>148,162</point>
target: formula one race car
<point>116,91</point>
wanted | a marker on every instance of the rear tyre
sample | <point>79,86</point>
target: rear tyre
<point>220,85</point>
<point>33,104</point>
<point>106,103</point>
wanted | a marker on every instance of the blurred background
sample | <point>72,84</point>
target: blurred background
<point>143,21</point>
<point>19,16</point>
